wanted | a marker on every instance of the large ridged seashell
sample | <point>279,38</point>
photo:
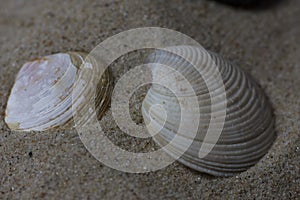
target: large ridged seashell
<point>248,130</point>
<point>41,97</point>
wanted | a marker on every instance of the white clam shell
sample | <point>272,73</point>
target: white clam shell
<point>41,97</point>
<point>248,130</point>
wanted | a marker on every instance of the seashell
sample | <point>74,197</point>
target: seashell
<point>41,97</point>
<point>248,130</point>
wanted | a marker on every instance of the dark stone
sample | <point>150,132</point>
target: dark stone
<point>240,2</point>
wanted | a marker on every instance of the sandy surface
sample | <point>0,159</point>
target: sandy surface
<point>55,164</point>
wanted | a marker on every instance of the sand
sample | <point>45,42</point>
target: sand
<point>55,164</point>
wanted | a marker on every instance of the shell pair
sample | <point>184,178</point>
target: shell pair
<point>41,99</point>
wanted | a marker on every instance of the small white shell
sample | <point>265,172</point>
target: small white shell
<point>248,130</point>
<point>41,97</point>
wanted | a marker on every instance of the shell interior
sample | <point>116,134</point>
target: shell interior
<point>42,98</point>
